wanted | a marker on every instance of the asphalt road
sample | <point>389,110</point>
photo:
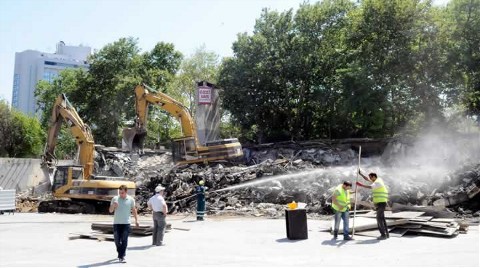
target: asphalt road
<point>30,239</point>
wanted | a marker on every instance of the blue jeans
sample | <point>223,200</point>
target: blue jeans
<point>120,234</point>
<point>345,217</point>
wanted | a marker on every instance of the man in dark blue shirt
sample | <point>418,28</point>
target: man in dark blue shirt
<point>200,191</point>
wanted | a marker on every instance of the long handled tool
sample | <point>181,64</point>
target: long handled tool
<point>356,189</point>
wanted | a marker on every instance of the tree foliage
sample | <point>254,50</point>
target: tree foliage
<point>332,69</point>
<point>340,69</point>
<point>103,95</point>
<point>20,135</point>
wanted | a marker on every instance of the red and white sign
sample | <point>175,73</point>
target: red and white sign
<point>204,95</point>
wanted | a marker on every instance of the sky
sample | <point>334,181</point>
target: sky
<point>188,24</point>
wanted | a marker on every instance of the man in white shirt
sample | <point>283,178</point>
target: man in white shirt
<point>159,207</point>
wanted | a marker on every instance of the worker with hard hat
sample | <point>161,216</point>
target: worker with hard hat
<point>200,191</point>
<point>159,207</point>
<point>380,198</point>
<point>341,206</point>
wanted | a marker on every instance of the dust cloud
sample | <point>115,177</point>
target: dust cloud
<point>407,164</point>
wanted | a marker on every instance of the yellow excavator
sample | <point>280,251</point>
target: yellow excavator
<point>186,149</point>
<point>74,187</point>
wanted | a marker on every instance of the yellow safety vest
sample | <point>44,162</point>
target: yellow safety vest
<point>343,198</point>
<point>380,194</point>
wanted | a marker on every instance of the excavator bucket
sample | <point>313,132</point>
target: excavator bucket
<point>132,139</point>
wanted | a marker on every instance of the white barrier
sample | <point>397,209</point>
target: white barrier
<point>7,200</point>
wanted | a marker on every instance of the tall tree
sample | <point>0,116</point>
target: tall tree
<point>203,65</point>
<point>461,24</point>
<point>20,135</point>
<point>103,95</point>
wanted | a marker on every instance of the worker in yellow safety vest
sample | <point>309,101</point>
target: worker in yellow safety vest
<point>341,206</point>
<point>380,198</point>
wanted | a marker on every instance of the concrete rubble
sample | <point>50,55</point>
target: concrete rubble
<point>287,172</point>
<point>278,174</point>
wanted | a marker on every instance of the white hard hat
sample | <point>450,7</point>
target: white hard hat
<point>159,188</point>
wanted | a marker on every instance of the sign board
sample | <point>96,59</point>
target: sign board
<point>204,95</point>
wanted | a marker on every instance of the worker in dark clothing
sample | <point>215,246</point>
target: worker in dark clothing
<point>200,191</point>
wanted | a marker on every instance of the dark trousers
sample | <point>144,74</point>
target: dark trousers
<point>120,234</point>
<point>381,222</point>
<point>200,206</point>
<point>159,224</point>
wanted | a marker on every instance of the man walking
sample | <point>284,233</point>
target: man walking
<point>200,191</point>
<point>122,205</point>
<point>341,206</point>
<point>159,207</point>
<point>380,198</point>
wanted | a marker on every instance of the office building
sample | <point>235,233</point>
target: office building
<point>32,66</point>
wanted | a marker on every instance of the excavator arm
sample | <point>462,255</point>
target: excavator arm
<point>63,111</point>
<point>144,96</point>
<point>187,148</point>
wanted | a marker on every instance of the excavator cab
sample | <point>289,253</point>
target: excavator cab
<point>65,173</point>
<point>184,149</point>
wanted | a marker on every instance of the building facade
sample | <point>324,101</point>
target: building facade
<point>32,66</point>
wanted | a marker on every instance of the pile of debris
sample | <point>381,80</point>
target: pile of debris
<point>282,175</point>
<point>25,202</point>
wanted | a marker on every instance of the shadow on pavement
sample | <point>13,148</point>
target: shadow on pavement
<point>286,240</point>
<point>112,261</point>
<point>140,247</point>
<point>367,242</point>
<point>332,242</point>
<point>190,221</point>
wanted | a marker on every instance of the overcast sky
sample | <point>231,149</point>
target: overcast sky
<point>188,24</point>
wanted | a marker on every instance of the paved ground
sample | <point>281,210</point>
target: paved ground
<point>43,240</point>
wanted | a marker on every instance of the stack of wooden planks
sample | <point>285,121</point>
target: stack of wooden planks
<point>407,222</point>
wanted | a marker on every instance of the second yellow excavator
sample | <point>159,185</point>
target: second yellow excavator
<point>74,187</point>
<point>186,149</point>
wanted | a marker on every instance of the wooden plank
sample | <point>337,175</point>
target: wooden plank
<point>137,230</point>
<point>364,223</point>
<point>397,215</point>
<point>409,226</point>
<point>423,218</point>
<point>448,233</point>
<point>443,220</point>
<point>397,232</point>
<point>436,212</point>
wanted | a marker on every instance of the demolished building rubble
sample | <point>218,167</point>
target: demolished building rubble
<point>281,173</point>
<point>329,164</point>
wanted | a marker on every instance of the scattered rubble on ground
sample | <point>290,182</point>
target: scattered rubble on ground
<point>304,173</point>
<point>278,174</point>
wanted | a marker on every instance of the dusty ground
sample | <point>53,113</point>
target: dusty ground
<point>31,239</point>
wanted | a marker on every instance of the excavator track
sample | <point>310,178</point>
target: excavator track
<point>73,207</point>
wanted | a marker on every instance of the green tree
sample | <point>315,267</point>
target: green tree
<point>461,21</point>
<point>20,135</point>
<point>203,65</point>
<point>103,95</point>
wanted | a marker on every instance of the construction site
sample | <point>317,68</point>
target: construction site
<point>61,205</point>
<point>325,133</point>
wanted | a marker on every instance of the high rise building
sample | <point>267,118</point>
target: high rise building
<point>32,66</point>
